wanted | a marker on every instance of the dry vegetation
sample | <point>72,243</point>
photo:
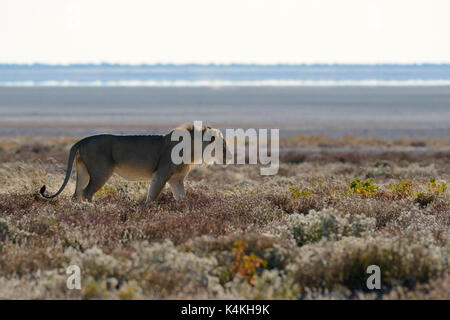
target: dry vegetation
<point>309,232</point>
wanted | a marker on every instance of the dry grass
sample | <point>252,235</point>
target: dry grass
<point>237,234</point>
<point>364,143</point>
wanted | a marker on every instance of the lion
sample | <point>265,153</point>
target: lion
<point>135,158</point>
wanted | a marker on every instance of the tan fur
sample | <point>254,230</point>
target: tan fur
<point>134,158</point>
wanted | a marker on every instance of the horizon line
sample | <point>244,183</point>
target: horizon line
<point>174,64</point>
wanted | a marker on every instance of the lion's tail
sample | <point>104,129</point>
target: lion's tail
<point>72,154</point>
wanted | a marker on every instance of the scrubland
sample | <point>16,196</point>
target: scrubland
<point>309,232</point>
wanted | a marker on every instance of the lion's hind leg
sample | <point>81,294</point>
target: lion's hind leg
<point>82,179</point>
<point>177,188</point>
<point>99,172</point>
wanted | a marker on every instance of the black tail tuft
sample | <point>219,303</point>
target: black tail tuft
<point>42,191</point>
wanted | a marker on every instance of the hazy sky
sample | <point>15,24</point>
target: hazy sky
<point>226,31</point>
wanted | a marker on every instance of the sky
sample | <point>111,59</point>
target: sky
<point>226,31</point>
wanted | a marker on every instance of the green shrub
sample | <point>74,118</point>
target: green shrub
<point>402,188</point>
<point>364,188</point>
<point>437,188</point>
<point>299,194</point>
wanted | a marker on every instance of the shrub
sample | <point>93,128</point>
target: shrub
<point>299,194</point>
<point>245,265</point>
<point>414,170</point>
<point>402,189</point>
<point>424,199</point>
<point>159,268</point>
<point>415,225</point>
<point>435,190</point>
<point>328,224</point>
<point>4,230</point>
<point>331,265</point>
<point>271,284</point>
<point>364,188</point>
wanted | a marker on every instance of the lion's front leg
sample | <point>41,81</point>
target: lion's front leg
<point>156,185</point>
<point>177,188</point>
